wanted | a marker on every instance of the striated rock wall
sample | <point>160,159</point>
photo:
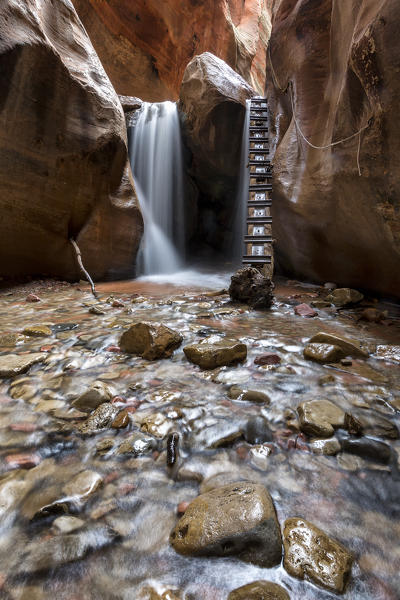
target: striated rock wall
<point>343,61</point>
<point>63,151</point>
<point>145,45</point>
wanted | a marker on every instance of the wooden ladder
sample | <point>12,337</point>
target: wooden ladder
<point>258,251</point>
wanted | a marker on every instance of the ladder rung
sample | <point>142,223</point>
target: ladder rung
<point>256,260</point>
<point>256,220</point>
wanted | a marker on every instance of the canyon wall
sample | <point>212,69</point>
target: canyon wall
<point>335,69</point>
<point>63,151</point>
<point>145,45</point>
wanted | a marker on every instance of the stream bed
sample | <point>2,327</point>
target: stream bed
<point>82,518</point>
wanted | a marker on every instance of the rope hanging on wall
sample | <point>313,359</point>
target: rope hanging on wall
<point>298,128</point>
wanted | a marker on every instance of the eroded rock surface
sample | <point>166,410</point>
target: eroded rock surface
<point>312,554</point>
<point>249,286</point>
<point>63,149</point>
<point>236,519</point>
<point>150,340</point>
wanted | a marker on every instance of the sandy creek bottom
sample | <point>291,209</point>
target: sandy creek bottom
<point>353,499</point>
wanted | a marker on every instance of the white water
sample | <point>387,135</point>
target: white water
<point>239,224</point>
<point>156,159</point>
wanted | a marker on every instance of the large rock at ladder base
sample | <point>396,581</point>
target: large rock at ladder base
<point>64,168</point>
<point>237,519</point>
<point>210,355</point>
<point>311,554</point>
<point>249,286</point>
<point>150,340</point>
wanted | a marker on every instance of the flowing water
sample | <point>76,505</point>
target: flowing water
<point>156,159</point>
<point>79,519</point>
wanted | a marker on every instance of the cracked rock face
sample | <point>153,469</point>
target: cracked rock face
<point>63,149</point>
<point>237,519</point>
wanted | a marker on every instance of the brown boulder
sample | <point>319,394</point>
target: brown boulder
<point>63,149</point>
<point>210,354</point>
<point>248,285</point>
<point>319,418</point>
<point>139,42</point>
<point>236,519</point>
<point>150,340</point>
<point>342,59</point>
<point>311,554</point>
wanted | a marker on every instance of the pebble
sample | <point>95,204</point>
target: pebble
<point>23,460</point>
<point>66,524</point>
<point>304,310</point>
<point>267,358</point>
<point>32,298</point>
<point>121,420</point>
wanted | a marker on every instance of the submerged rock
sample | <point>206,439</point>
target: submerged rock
<point>344,296</point>
<point>257,430</point>
<point>249,286</point>
<point>98,393</point>
<point>255,396</point>
<point>350,347</point>
<point>368,448</point>
<point>14,364</point>
<point>330,446</point>
<point>237,519</point>
<point>210,354</point>
<point>37,331</point>
<point>259,590</point>
<point>312,554</point>
<point>83,485</point>
<point>150,340</point>
<point>304,310</point>
<point>138,443</point>
<point>320,418</point>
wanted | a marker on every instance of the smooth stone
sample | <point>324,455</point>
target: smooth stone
<point>67,524</point>
<point>14,364</point>
<point>37,331</point>
<point>259,456</point>
<point>330,446</point>
<point>237,519</point>
<point>210,355</point>
<point>150,340</point>
<point>83,485</point>
<point>311,554</point>
<point>220,434</point>
<point>104,445</point>
<point>259,590</point>
<point>96,310</point>
<point>350,347</point>
<point>319,418</point>
<point>304,310</point>
<point>375,425</point>
<point>235,391</point>
<point>350,462</point>
<point>323,353</point>
<point>218,480</point>
<point>137,444</point>
<point>255,396</point>
<point>344,296</point>
<point>157,425</point>
<point>368,448</point>
<point>267,358</point>
<point>257,430</point>
<point>321,304</point>
<point>100,418</point>
<point>121,420</point>
<point>98,393</point>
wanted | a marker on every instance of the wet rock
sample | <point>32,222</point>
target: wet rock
<point>150,340</point>
<point>372,315</point>
<point>96,310</point>
<point>255,396</point>
<point>326,379</point>
<point>311,554</point>
<point>9,339</point>
<point>172,448</point>
<point>220,434</point>
<point>350,347</point>
<point>46,554</point>
<point>250,287</point>
<point>321,304</point>
<point>344,297</point>
<point>211,354</point>
<point>257,431</point>
<point>37,331</point>
<point>320,417</point>
<point>83,485</point>
<point>137,444</point>
<point>219,480</point>
<point>100,418</point>
<point>259,456</point>
<point>304,310</point>
<point>350,462</point>
<point>98,393</point>
<point>23,460</point>
<point>32,298</point>
<point>104,445</point>
<point>234,392</point>
<point>267,358</point>
<point>330,446</point>
<point>121,420</point>
<point>375,425</point>
<point>352,424</point>
<point>259,590</point>
<point>14,364</point>
<point>157,425</point>
<point>368,448</point>
<point>67,524</point>
<point>323,353</point>
<point>238,519</point>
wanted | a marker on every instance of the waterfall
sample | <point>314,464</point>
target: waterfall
<point>239,224</point>
<point>156,159</point>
